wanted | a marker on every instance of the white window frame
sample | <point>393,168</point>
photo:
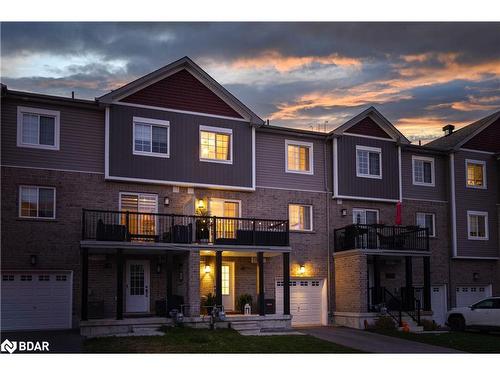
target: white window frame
<point>151,122</point>
<point>310,146</point>
<point>37,202</point>
<point>369,149</point>
<point>433,221</point>
<point>310,215</point>
<point>415,158</point>
<point>486,231</point>
<point>39,112</point>
<point>213,129</point>
<point>365,210</point>
<point>481,162</point>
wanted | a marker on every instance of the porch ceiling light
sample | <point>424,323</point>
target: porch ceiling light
<point>302,269</point>
<point>207,268</point>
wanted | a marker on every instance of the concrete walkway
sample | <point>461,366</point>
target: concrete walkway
<point>372,342</point>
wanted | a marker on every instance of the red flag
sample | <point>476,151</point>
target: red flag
<point>399,218</point>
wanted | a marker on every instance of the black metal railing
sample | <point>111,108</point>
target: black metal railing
<point>384,237</point>
<point>383,301</point>
<point>102,225</point>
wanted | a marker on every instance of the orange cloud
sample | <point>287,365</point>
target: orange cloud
<point>276,60</point>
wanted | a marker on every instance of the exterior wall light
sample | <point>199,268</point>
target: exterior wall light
<point>207,268</point>
<point>343,212</point>
<point>302,269</point>
<point>200,205</point>
<point>475,276</point>
<point>33,260</point>
<point>166,201</point>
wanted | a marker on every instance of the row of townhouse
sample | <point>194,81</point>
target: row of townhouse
<point>169,194</point>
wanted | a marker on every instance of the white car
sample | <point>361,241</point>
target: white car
<point>483,315</point>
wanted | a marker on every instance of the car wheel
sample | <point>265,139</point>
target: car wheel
<point>456,323</point>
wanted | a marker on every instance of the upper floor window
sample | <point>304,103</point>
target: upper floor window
<point>38,128</point>
<point>37,202</point>
<point>216,144</point>
<point>299,157</point>
<point>151,137</point>
<point>476,173</point>
<point>300,217</point>
<point>423,171</point>
<point>477,225</point>
<point>368,162</point>
<point>427,220</point>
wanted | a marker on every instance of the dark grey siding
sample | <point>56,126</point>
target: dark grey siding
<point>81,139</point>
<point>468,199</point>
<point>351,185</point>
<point>270,160</point>
<point>438,192</point>
<point>184,164</point>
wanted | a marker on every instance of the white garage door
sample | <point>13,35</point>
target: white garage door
<point>466,295</point>
<point>36,300</point>
<point>306,302</point>
<point>439,303</point>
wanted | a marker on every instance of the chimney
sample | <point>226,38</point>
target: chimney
<point>448,129</point>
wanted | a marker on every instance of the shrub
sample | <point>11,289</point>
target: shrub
<point>385,323</point>
<point>429,325</point>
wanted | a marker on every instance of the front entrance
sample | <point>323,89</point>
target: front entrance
<point>228,286</point>
<point>137,286</point>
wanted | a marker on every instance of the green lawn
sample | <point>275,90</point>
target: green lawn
<point>189,340</point>
<point>470,342</point>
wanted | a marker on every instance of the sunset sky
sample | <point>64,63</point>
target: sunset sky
<point>421,76</point>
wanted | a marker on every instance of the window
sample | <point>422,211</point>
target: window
<point>140,224</point>
<point>299,157</point>
<point>151,137</point>
<point>37,202</point>
<point>363,216</point>
<point>300,217</point>
<point>368,162</point>
<point>216,144</point>
<point>225,280</point>
<point>222,208</point>
<point>477,225</point>
<point>38,128</point>
<point>426,220</point>
<point>476,174</point>
<point>423,171</point>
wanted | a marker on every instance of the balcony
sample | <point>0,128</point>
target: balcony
<point>381,237</point>
<point>143,227</point>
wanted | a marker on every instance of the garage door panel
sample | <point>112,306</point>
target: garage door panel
<point>467,295</point>
<point>305,301</point>
<point>32,300</point>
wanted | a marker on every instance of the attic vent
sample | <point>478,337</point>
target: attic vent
<point>448,129</point>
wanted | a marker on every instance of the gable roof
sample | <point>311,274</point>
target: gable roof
<point>456,139</point>
<point>379,119</point>
<point>175,67</point>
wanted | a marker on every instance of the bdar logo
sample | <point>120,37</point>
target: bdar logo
<point>8,346</point>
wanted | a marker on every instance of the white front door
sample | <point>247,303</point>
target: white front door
<point>228,286</point>
<point>439,303</point>
<point>137,286</point>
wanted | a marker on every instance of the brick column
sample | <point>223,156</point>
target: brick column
<point>193,280</point>
<point>351,282</point>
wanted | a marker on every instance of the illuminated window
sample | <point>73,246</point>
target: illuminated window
<point>37,202</point>
<point>300,217</point>
<point>215,144</point>
<point>477,223</point>
<point>139,206</point>
<point>299,157</point>
<point>151,137</point>
<point>368,162</point>
<point>476,174</point>
<point>225,280</point>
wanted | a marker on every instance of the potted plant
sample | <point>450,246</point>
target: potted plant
<point>209,302</point>
<point>242,301</point>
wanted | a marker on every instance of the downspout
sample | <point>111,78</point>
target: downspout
<point>327,199</point>
<point>453,218</point>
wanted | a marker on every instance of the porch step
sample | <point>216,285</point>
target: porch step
<point>246,328</point>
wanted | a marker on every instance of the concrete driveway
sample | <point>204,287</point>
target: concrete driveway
<point>68,341</point>
<point>371,342</point>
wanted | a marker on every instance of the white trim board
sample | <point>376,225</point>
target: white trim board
<point>369,137</point>
<point>349,197</point>
<point>50,169</point>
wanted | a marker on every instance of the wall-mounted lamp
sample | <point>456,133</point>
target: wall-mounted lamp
<point>475,276</point>
<point>166,201</point>
<point>207,268</point>
<point>343,211</point>
<point>302,269</point>
<point>158,267</point>
<point>33,260</point>
<point>200,205</point>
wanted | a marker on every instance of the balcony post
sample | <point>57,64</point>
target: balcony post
<point>85,282</point>
<point>286,283</point>
<point>169,269</point>
<point>119,284</point>
<point>427,284</point>
<point>376,280</point>
<point>127,224</point>
<point>408,281</point>
<point>260,282</point>
<point>218,278</point>
<point>253,232</point>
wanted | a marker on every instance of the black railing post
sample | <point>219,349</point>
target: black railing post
<point>260,281</point>
<point>119,284</point>
<point>286,283</point>
<point>218,278</point>
<point>172,221</point>
<point>253,232</point>
<point>169,269</point>
<point>287,230</point>
<point>214,230</point>
<point>127,224</point>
